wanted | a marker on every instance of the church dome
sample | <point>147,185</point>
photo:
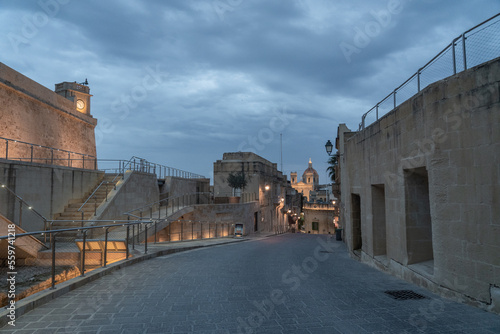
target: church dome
<point>310,171</point>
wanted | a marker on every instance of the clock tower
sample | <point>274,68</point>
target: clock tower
<point>78,93</point>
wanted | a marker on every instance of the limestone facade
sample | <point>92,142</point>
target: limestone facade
<point>420,188</point>
<point>34,114</point>
<point>259,172</point>
<point>308,184</point>
<point>319,218</point>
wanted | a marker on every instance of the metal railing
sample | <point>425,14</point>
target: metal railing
<point>28,152</point>
<point>65,257</point>
<point>170,205</point>
<point>143,165</point>
<point>23,205</point>
<point>473,47</point>
<point>93,195</point>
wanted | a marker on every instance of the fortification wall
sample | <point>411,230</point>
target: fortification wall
<point>421,187</point>
<point>32,113</point>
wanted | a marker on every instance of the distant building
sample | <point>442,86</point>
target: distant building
<point>319,218</point>
<point>308,184</point>
<point>265,185</point>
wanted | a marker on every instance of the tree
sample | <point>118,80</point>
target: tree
<point>333,161</point>
<point>237,180</point>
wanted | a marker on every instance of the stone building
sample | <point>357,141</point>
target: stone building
<point>40,125</point>
<point>319,218</point>
<point>420,188</point>
<point>308,184</point>
<point>266,185</point>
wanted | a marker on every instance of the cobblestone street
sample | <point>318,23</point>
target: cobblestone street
<point>293,283</point>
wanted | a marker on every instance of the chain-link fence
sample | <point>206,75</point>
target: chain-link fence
<point>35,261</point>
<point>474,47</point>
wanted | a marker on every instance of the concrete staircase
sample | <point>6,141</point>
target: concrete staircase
<point>71,211</point>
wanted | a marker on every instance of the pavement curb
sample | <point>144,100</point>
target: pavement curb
<point>27,304</point>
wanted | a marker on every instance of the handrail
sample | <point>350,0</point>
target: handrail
<point>22,201</point>
<point>170,199</point>
<point>419,72</point>
<point>96,189</point>
<point>52,150</point>
<point>140,164</point>
<point>119,223</point>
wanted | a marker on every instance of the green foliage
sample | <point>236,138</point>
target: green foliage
<point>237,180</point>
<point>333,165</point>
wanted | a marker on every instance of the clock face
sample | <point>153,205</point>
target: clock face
<point>80,105</point>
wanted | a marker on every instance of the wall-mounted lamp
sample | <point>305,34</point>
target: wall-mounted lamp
<point>267,187</point>
<point>329,147</point>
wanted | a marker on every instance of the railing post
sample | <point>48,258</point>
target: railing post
<point>20,213</point>
<point>133,234</point>
<point>82,263</point>
<point>464,51</point>
<point>155,229</point>
<point>126,242</point>
<point>454,57</point>
<point>192,230</point>
<point>6,149</point>
<point>51,156</point>
<point>83,161</point>
<point>95,205</point>
<point>182,229</point>
<point>418,80</point>
<point>53,245</point>
<point>395,92</point>
<point>146,238</point>
<point>31,158</point>
<point>104,261</point>
<point>69,159</point>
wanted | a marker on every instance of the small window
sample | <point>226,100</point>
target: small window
<point>315,226</point>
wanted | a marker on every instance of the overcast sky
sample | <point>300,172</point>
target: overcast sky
<point>180,82</point>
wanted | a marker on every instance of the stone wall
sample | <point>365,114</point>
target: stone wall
<point>210,221</point>
<point>34,114</point>
<point>323,215</point>
<point>176,186</point>
<point>48,189</point>
<point>138,190</point>
<point>420,188</point>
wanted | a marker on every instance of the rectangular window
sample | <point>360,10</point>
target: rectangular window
<point>315,226</point>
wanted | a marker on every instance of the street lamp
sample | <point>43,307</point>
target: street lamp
<point>329,147</point>
<point>267,187</point>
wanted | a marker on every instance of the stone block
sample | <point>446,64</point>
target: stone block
<point>432,93</point>
<point>448,212</point>
<point>489,235</point>
<point>495,298</point>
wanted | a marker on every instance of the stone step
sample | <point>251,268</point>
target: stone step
<point>74,216</point>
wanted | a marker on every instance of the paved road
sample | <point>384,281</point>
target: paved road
<point>285,284</point>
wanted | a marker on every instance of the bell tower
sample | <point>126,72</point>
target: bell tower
<point>79,94</point>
